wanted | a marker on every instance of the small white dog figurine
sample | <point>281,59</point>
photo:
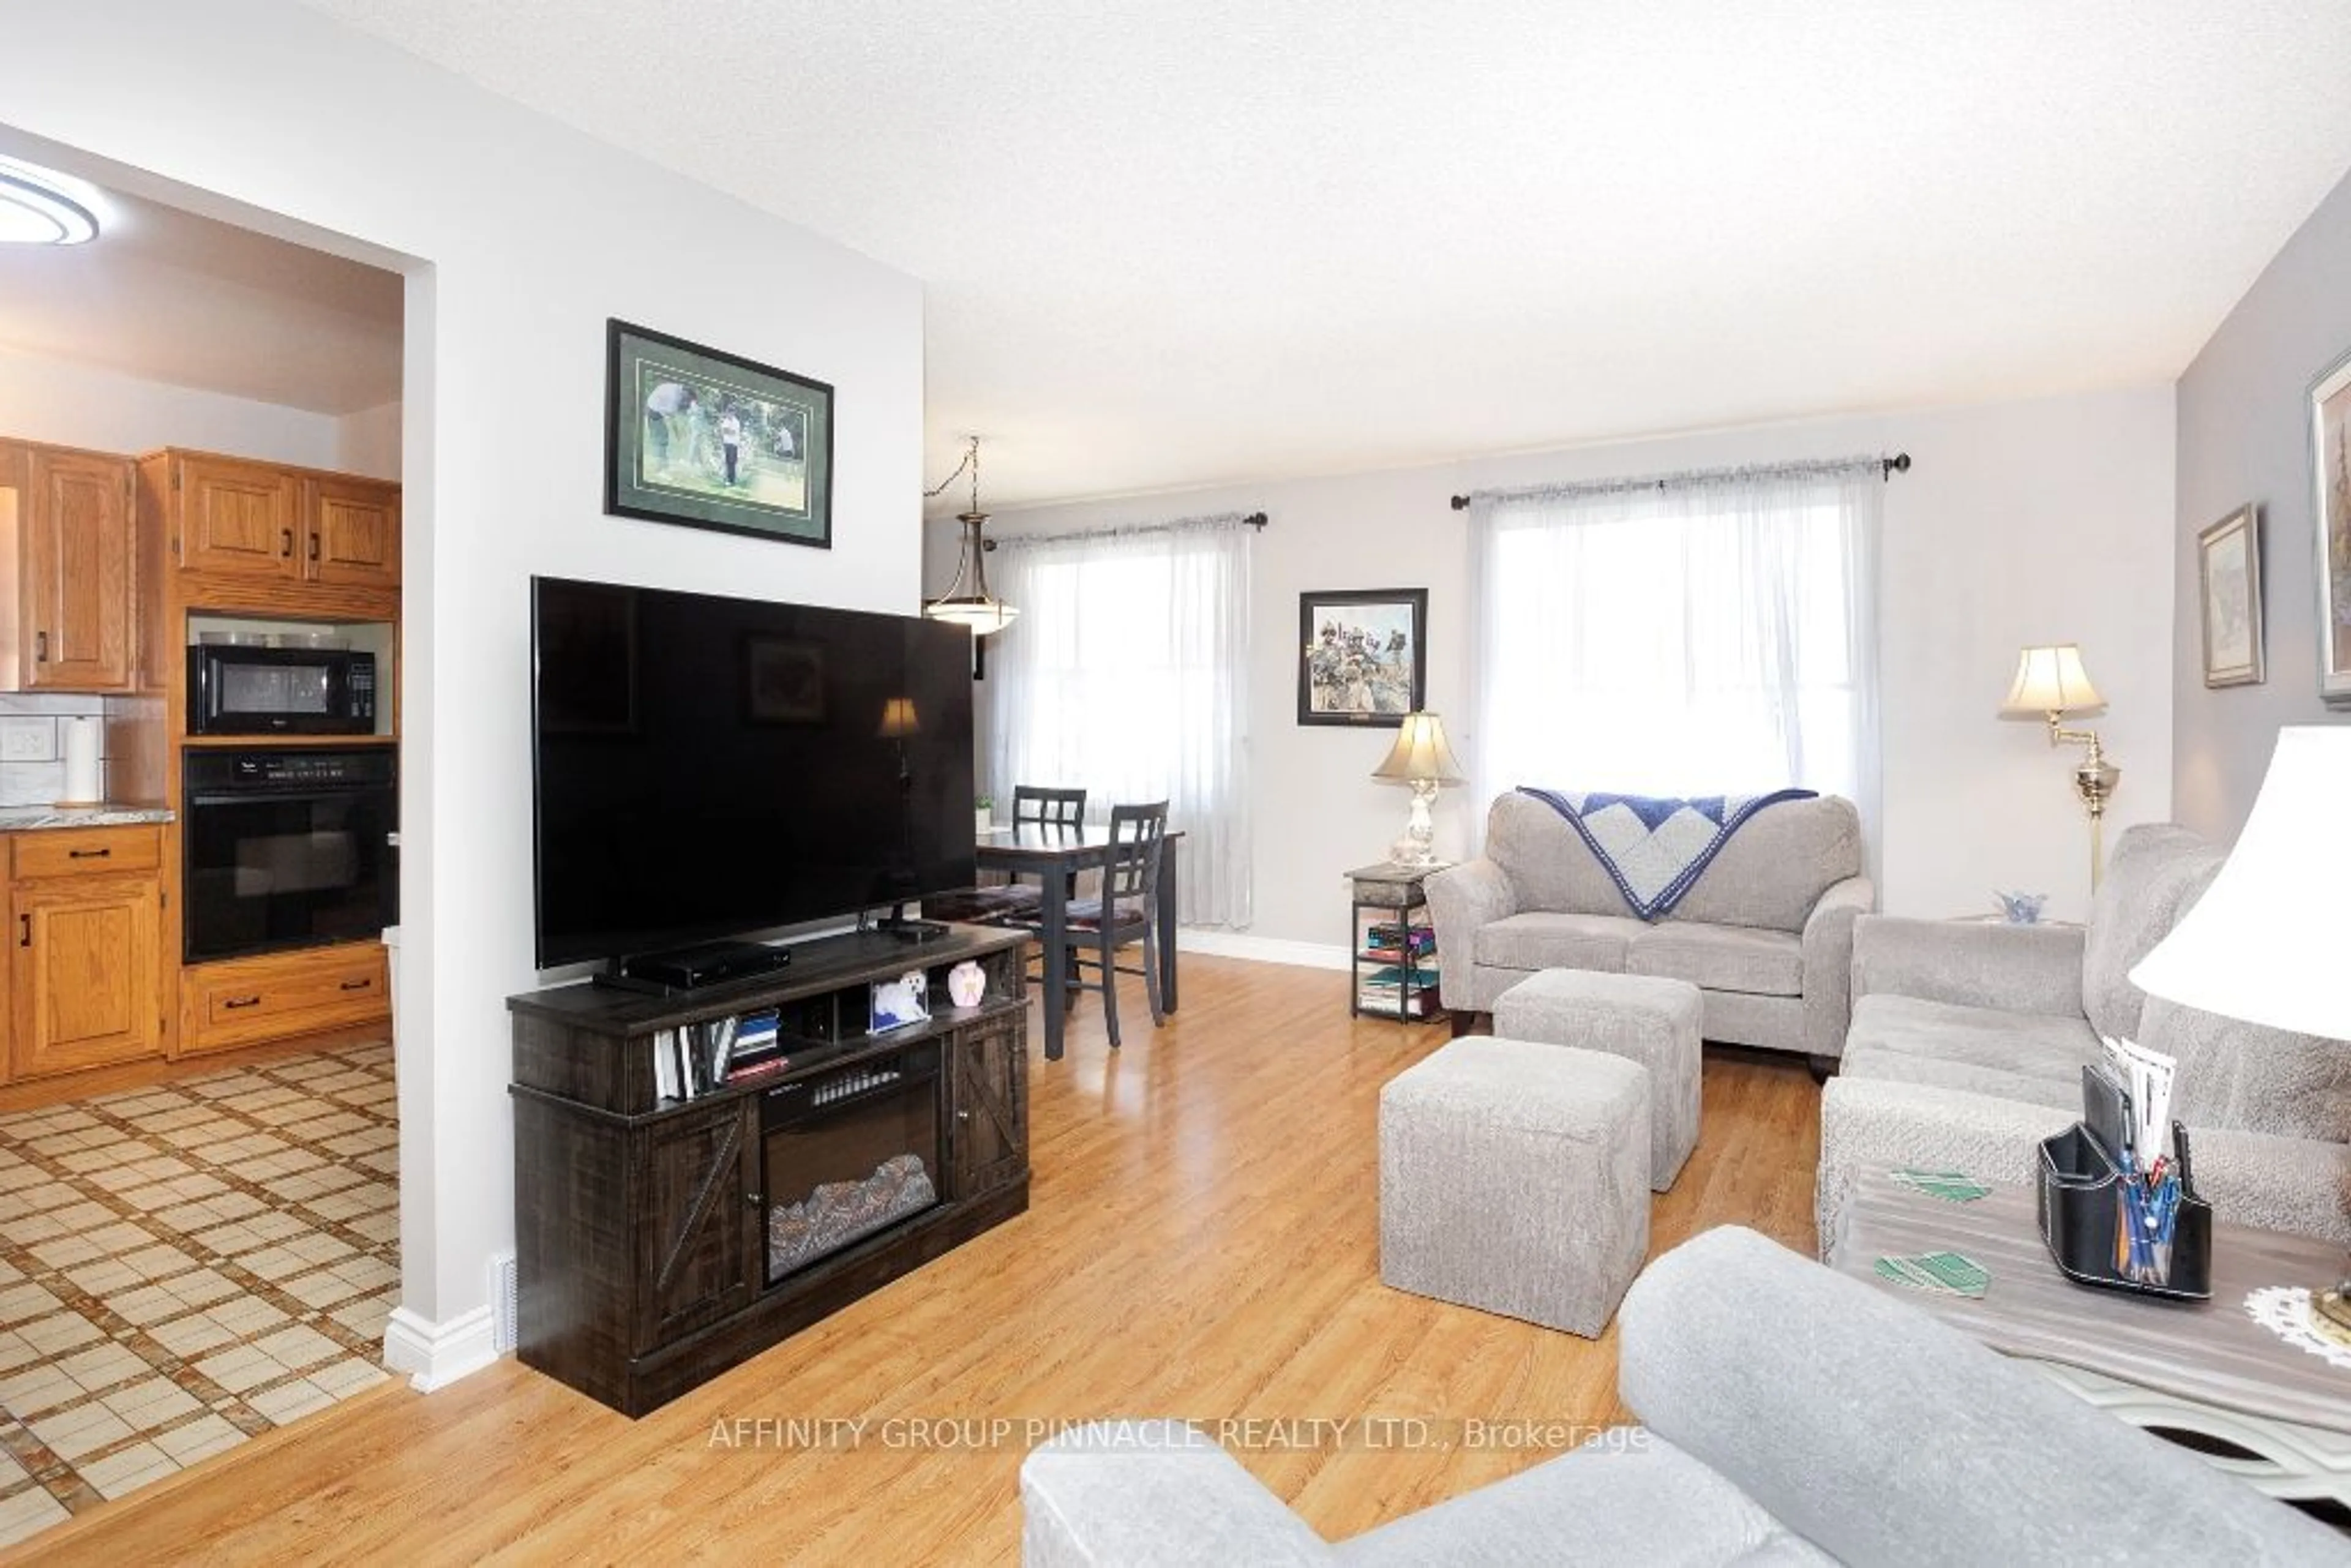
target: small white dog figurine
<point>899,1002</point>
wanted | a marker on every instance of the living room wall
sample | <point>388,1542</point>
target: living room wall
<point>2035,521</point>
<point>2245,436</point>
<point>519,237</point>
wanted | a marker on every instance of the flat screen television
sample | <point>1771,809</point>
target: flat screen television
<point>710,767</point>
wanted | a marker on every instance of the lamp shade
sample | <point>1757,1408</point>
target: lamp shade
<point>899,720</point>
<point>1420,755</point>
<point>2264,944</point>
<point>2050,680</point>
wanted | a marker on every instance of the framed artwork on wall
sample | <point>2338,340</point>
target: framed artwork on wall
<point>1363,656</point>
<point>710,439</point>
<point>2330,459</point>
<point>2229,566</point>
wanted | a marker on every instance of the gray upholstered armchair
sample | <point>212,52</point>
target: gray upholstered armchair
<point>1967,1043</point>
<point>1789,1416</point>
<point>1766,933</point>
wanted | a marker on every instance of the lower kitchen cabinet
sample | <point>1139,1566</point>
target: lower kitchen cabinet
<point>85,979</point>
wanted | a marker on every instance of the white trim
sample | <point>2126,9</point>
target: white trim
<point>437,1354</point>
<point>1261,949</point>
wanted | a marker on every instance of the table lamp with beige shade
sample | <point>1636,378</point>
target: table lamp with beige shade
<point>2050,685</point>
<point>2265,944</point>
<point>1421,759</point>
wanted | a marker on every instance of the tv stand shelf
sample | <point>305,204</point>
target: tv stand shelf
<point>641,1224</point>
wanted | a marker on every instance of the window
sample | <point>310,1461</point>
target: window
<point>1127,675</point>
<point>1712,634</point>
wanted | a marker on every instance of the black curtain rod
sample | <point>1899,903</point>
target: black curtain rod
<point>1254,520</point>
<point>1888,467</point>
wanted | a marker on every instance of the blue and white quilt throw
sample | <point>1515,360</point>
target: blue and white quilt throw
<point>1655,847</point>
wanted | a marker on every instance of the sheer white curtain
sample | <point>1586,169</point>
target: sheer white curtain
<point>1127,673</point>
<point>1690,634</point>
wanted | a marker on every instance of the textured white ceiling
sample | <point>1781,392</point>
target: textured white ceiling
<point>171,297</point>
<point>1233,239</point>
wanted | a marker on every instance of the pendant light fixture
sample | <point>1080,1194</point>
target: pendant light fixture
<point>36,209</point>
<point>967,602</point>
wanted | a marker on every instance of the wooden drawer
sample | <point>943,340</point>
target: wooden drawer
<point>45,853</point>
<point>280,995</point>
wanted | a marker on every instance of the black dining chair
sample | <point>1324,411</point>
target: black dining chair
<point>1014,903</point>
<point>1126,913</point>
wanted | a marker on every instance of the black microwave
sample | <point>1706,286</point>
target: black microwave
<point>235,690</point>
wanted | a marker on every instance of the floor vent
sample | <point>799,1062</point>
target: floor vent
<point>503,1307</point>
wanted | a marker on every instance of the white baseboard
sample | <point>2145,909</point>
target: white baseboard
<point>1262,949</point>
<point>436,1354</point>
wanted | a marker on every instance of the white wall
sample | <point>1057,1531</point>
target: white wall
<point>368,441</point>
<point>68,404</point>
<point>527,236</point>
<point>2040,521</point>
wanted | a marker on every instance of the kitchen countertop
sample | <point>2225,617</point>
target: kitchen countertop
<point>25,819</point>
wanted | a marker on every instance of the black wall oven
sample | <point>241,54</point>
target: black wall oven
<point>289,849</point>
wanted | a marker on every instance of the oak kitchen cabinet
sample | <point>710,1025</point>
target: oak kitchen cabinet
<point>229,517</point>
<point>84,976</point>
<point>66,529</point>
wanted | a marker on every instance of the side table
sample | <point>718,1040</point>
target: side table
<point>2204,1374</point>
<point>1392,945</point>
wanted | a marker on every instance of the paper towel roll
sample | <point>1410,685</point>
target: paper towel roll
<point>82,738</point>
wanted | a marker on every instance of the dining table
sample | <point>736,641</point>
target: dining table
<point>1054,853</point>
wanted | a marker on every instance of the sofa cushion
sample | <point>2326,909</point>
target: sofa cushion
<point>2156,873</point>
<point>2249,1079</point>
<point>1720,957</point>
<point>1773,870</point>
<point>1543,939</point>
<point>1625,1497</point>
<point>1549,864</point>
<point>2031,1057</point>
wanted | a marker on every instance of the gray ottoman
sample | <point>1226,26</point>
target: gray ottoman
<point>1643,1017</point>
<point>1514,1178</point>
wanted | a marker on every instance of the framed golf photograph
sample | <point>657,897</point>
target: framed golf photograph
<point>710,439</point>
<point>2229,568</point>
<point>2330,457</point>
<point>1363,656</point>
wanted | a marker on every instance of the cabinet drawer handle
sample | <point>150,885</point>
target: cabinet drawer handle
<point>40,647</point>
<point>87,855</point>
<point>314,546</point>
<point>963,1115</point>
<point>751,1199</point>
<point>287,546</point>
<point>241,1002</point>
<point>357,985</point>
<point>25,940</point>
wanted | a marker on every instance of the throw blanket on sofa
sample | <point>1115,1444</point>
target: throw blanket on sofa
<point>1655,848</point>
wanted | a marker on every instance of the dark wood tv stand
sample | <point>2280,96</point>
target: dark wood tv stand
<point>641,1224</point>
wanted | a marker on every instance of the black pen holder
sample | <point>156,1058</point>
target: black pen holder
<point>2085,1210</point>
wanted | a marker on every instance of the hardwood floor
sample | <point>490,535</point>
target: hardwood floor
<point>1202,1243</point>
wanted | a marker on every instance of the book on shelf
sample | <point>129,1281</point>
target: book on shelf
<point>1392,977</point>
<point>1423,961</point>
<point>1409,1004</point>
<point>1387,933</point>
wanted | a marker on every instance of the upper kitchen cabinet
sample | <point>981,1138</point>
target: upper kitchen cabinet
<point>234,519</point>
<point>66,528</point>
<point>353,530</point>
<point>238,532</point>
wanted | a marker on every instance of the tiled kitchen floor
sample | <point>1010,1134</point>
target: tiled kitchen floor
<point>186,1267</point>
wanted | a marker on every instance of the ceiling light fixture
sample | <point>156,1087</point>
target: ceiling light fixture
<point>967,602</point>
<point>35,211</point>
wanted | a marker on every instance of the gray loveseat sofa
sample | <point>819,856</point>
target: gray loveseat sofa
<point>1967,1043</point>
<point>1766,933</point>
<point>1789,1415</point>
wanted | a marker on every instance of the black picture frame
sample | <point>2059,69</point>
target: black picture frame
<point>773,482</point>
<point>1348,663</point>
